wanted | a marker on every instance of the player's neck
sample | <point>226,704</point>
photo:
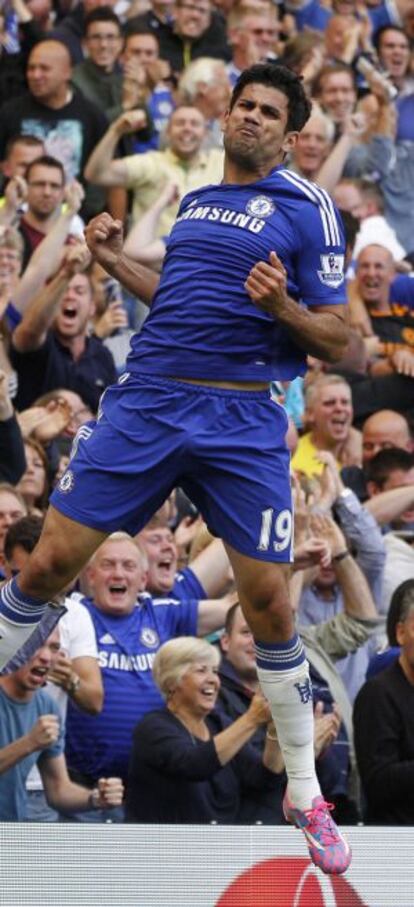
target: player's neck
<point>234,173</point>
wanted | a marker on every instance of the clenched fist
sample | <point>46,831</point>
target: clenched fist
<point>104,238</point>
<point>45,732</point>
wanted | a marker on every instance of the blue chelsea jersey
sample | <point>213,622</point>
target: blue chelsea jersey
<point>99,745</point>
<point>202,322</point>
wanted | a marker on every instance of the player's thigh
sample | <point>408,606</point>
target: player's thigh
<point>126,464</point>
<point>63,549</point>
<point>263,589</point>
<point>242,483</point>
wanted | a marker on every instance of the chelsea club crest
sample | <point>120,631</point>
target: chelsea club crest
<point>260,206</point>
<point>149,638</point>
<point>67,481</point>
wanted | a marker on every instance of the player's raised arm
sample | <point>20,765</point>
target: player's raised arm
<point>105,239</point>
<point>321,331</point>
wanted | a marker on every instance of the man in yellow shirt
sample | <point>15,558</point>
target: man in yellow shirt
<point>328,416</point>
<point>182,162</point>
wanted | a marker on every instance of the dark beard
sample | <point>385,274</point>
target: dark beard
<point>245,158</point>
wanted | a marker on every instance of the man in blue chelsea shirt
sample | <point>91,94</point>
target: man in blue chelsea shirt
<point>252,281</point>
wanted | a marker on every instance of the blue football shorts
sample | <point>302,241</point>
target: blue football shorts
<point>225,448</point>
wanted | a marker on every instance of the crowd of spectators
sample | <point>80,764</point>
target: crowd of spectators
<point>144,704</point>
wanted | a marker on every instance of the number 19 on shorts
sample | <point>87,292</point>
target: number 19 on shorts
<point>276,530</point>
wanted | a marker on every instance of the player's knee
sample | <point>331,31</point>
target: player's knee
<point>47,571</point>
<point>271,597</point>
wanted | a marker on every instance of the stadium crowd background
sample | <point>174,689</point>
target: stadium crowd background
<point>117,107</point>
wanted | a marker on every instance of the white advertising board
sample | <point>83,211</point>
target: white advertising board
<point>79,865</point>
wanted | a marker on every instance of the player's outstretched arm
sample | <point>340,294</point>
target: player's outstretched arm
<point>321,331</point>
<point>105,239</point>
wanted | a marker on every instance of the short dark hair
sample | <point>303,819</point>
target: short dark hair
<point>273,75</point>
<point>402,602</point>
<point>387,461</point>
<point>32,141</point>
<point>102,14</point>
<point>376,40</point>
<point>24,532</point>
<point>46,160</point>
<point>131,30</point>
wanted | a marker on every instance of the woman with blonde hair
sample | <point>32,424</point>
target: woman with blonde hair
<point>189,764</point>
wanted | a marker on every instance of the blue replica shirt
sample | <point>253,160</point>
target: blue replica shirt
<point>160,105</point>
<point>402,290</point>
<point>99,745</point>
<point>311,15</point>
<point>12,316</point>
<point>16,720</point>
<point>384,14</point>
<point>405,121</point>
<point>187,586</point>
<point>202,322</point>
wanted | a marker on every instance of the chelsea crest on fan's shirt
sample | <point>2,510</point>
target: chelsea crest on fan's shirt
<point>99,745</point>
<point>202,321</point>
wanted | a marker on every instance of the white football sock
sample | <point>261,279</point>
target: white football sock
<point>284,678</point>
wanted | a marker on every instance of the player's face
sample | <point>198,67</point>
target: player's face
<point>255,129</point>
<point>161,552</point>
<point>375,271</point>
<point>186,131</point>
<point>45,189</point>
<point>116,575</point>
<point>238,646</point>
<point>331,412</point>
<point>76,308</point>
<point>197,690</point>
<point>33,675</point>
<point>338,95</point>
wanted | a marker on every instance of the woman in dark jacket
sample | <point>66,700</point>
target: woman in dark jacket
<point>189,764</point>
